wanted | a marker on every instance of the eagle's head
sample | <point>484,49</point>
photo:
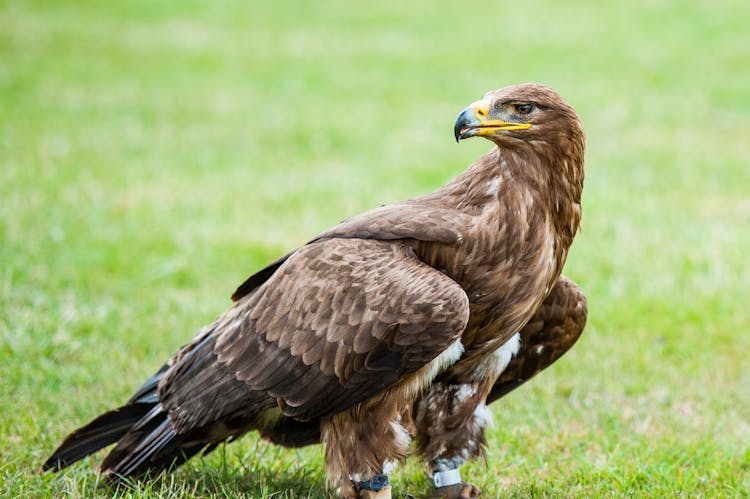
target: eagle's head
<point>518,114</point>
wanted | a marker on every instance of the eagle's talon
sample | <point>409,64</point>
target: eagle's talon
<point>461,490</point>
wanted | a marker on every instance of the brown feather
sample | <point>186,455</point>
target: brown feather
<point>556,326</point>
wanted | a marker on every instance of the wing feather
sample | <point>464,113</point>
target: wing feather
<point>407,220</point>
<point>337,322</point>
<point>553,330</point>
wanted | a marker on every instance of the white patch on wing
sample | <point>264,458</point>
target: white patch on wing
<point>495,363</point>
<point>447,357</point>
<point>505,353</point>
<point>428,372</point>
<point>539,349</point>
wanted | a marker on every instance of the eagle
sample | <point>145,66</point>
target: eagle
<point>389,333</point>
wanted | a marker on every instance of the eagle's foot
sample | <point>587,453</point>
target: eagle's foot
<point>383,493</point>
<point>377,487</point>
<point>461,490</point>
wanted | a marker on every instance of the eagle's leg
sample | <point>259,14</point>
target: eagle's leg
<point>451,418</point>
<point>363,446</point>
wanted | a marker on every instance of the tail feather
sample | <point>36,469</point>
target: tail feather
<point>157,450</point>
<point>145,437</point>
<point>139,456</point>
<point>143,433</point>
<point>147,393</point>
<point>99,433</point>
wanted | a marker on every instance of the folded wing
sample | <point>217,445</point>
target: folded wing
<point>339,321</point>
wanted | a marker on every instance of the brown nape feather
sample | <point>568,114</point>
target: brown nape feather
<point>402,321</point>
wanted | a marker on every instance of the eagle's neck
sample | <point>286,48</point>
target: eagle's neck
<point>534,177</point>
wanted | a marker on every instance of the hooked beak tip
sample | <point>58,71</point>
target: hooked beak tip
<point>462,124</point>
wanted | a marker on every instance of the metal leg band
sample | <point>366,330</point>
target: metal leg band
<point>446,478</point>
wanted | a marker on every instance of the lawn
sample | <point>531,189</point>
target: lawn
<point>153,155</point>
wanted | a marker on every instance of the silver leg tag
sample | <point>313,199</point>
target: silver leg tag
<point>446,478</point>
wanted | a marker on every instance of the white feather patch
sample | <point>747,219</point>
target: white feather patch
<point>465,391</point>
<point>482,416</point>
<point>427,374</point>
<point>505,353</point>
<point>389,466</point>
<point>447,357</point>
<point>403,439</point>
<point>492,186</point>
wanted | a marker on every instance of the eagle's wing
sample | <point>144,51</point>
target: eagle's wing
<point>553,329</point>
<point>408,220</point>
<point>337,322</point>
<point>550,333</point>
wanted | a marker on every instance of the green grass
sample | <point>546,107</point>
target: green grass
<point>153,155</point>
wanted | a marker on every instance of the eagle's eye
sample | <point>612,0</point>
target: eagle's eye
<point>523,108</point>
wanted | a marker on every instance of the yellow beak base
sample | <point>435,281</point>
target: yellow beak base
<point>475,121</point>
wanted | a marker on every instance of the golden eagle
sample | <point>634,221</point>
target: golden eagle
<point>397,325</point>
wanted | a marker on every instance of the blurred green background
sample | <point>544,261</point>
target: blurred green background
<point>153,155</point>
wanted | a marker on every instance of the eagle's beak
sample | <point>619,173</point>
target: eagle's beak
<point>475,120</point>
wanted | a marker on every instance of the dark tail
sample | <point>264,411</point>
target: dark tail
<point>144,435</point>
<point>101,432</point>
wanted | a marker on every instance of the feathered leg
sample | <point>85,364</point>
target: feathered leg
<point>363,445</point>
<point>452,416</point>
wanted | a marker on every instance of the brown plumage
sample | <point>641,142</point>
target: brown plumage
<point>402,322</point>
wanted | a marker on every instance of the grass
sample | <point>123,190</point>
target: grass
<point>153,154</point>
